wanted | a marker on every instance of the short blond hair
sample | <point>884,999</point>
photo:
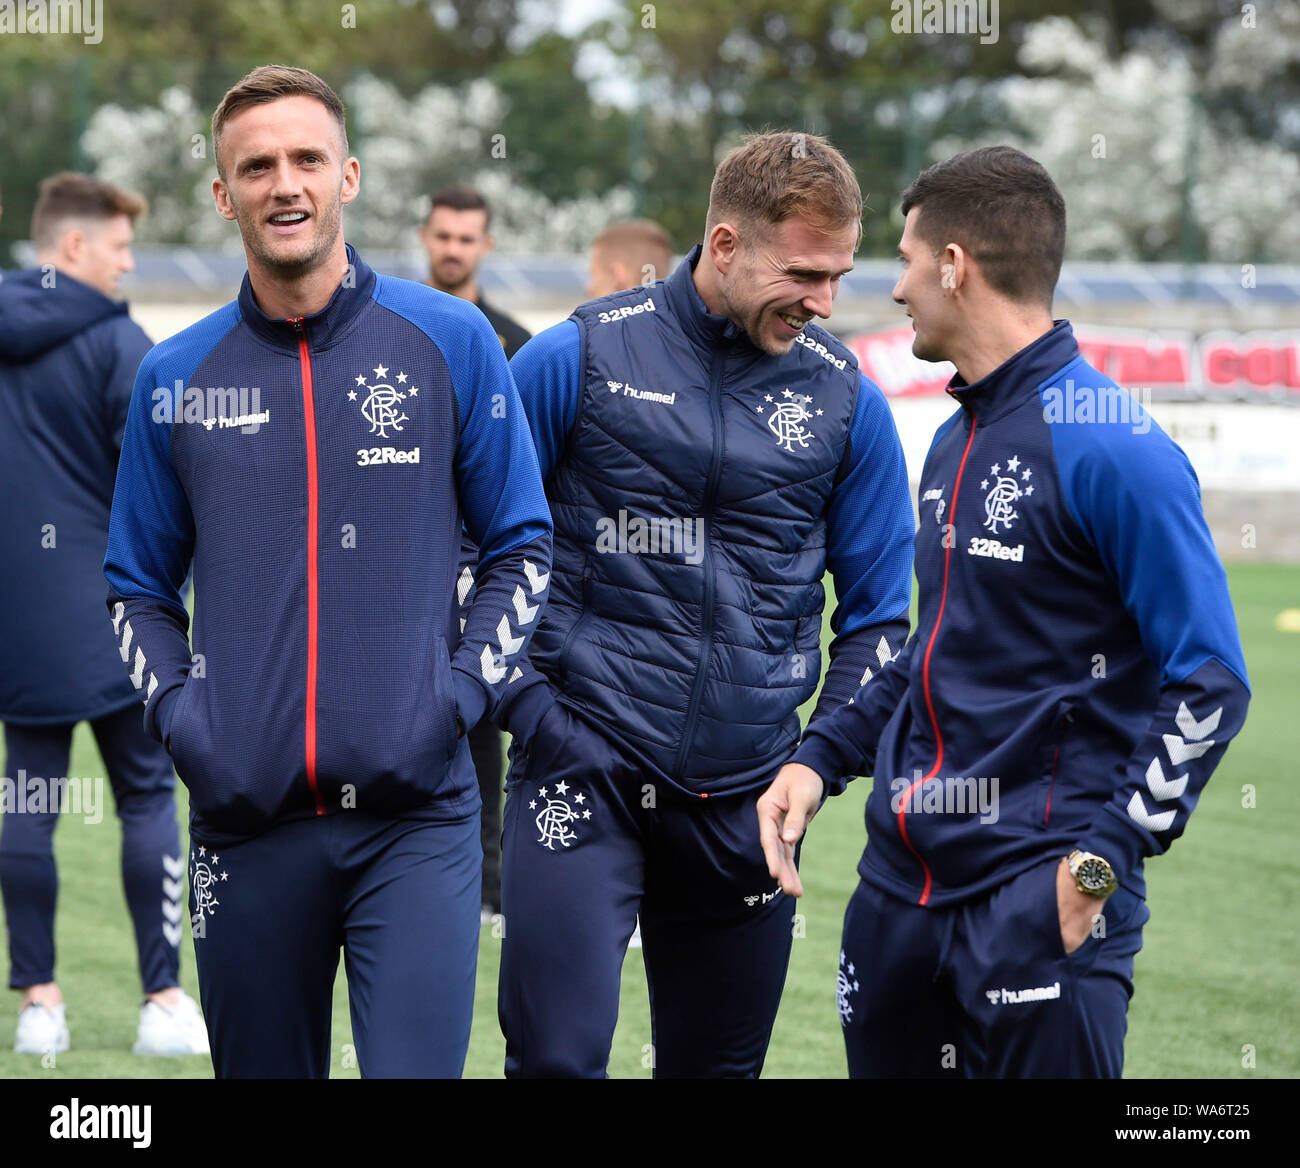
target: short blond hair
<point>638,244</point>
<point>783,175</point>
<point>269,83</point>
<point>70,196</point>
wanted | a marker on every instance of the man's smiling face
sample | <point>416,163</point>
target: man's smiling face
<point>285,180</point>
<point>783,278</point>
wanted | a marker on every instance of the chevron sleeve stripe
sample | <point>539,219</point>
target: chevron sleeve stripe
<point>509,596</point>
<point>150,543</point>
<point>1136,498</point>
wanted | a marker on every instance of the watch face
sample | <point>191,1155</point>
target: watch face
<point>1094,874</point>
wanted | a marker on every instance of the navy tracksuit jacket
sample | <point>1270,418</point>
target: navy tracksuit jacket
<point>1074,677</point>
<point>1075,640</point>
<point>68,356</point>
<point>323,515</point>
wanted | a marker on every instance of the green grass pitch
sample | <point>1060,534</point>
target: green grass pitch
<point>1216,990</point>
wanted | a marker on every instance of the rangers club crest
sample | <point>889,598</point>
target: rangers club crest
<point>382,405</point>
<point>555,814</point>
<point>1007,489</point>
<point>786,419</point>
<point>206,875</point>
<point>846,983</point>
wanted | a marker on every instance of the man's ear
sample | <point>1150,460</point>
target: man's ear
<point>621,275</point>
<point>351,180</point>
<point>954,268</point>
<point>221,197</point>
<point>73,245</point>
<point>724,246</point>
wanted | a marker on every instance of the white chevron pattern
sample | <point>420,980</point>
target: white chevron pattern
<point>1193,729</point>
<point>1138,813</point>
<point>137,674</point>
<point>525,613</point>
<point>464,582</point>
<point>1162,788</point>
<point>1180,750</point>
<point>883,656</point>
<point>509,644</point>
<point>537,581</point>
<point>492,672</point>
<point>1193,744</point>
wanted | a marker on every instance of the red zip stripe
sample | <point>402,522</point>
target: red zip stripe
<point>1047,815</point>
<point>309,424</point>
<point>925,672</point>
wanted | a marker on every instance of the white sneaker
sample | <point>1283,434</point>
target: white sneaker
<point>634,942</point>
<point>41,1030</point>
<point>179,1030</point>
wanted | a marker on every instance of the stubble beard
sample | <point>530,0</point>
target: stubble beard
<point>749,318</point>
<point>291,268</point>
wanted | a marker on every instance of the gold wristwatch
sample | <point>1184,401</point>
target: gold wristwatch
<point>1091,873</point>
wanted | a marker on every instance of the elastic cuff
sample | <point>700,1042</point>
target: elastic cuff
<point>525,712</point>
<point>1120,845</point>
<point>471,699</point>
<point>816,754</point>
<point>160,725</point>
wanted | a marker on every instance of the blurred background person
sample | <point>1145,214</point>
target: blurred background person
<point>628,253</point>
<point>457,235</point>
<point>68,358</point>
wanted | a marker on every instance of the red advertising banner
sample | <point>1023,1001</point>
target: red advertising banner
<point>1216,366</point>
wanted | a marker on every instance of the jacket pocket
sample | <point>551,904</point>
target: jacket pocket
<point>235,784</point>
<point>1051,755</point>
<point>176,737</point>
<point>432,741</point>
<point>571,637</point>
<point>396,753</point>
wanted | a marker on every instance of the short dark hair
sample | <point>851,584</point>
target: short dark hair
<point>269,83</point>
<point>67,196</point>
<point>463,198</point>
<point>1003,209</point>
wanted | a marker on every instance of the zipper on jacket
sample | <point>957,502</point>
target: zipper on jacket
<point>925,674</point>
<point>313,524</point>
<point>706,618</point>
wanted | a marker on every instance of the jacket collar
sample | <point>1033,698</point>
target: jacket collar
<point>322,328</point>
<point>688,308</point>
<point>1019,375</point>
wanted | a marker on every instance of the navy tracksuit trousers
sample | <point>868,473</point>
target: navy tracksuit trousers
<point>590,841</point>
<point>140,774</point>
<point>269,915</point>
<point>985,989</point>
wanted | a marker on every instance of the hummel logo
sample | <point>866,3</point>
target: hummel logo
<point>1007,997</point>
<point>631,391</point>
